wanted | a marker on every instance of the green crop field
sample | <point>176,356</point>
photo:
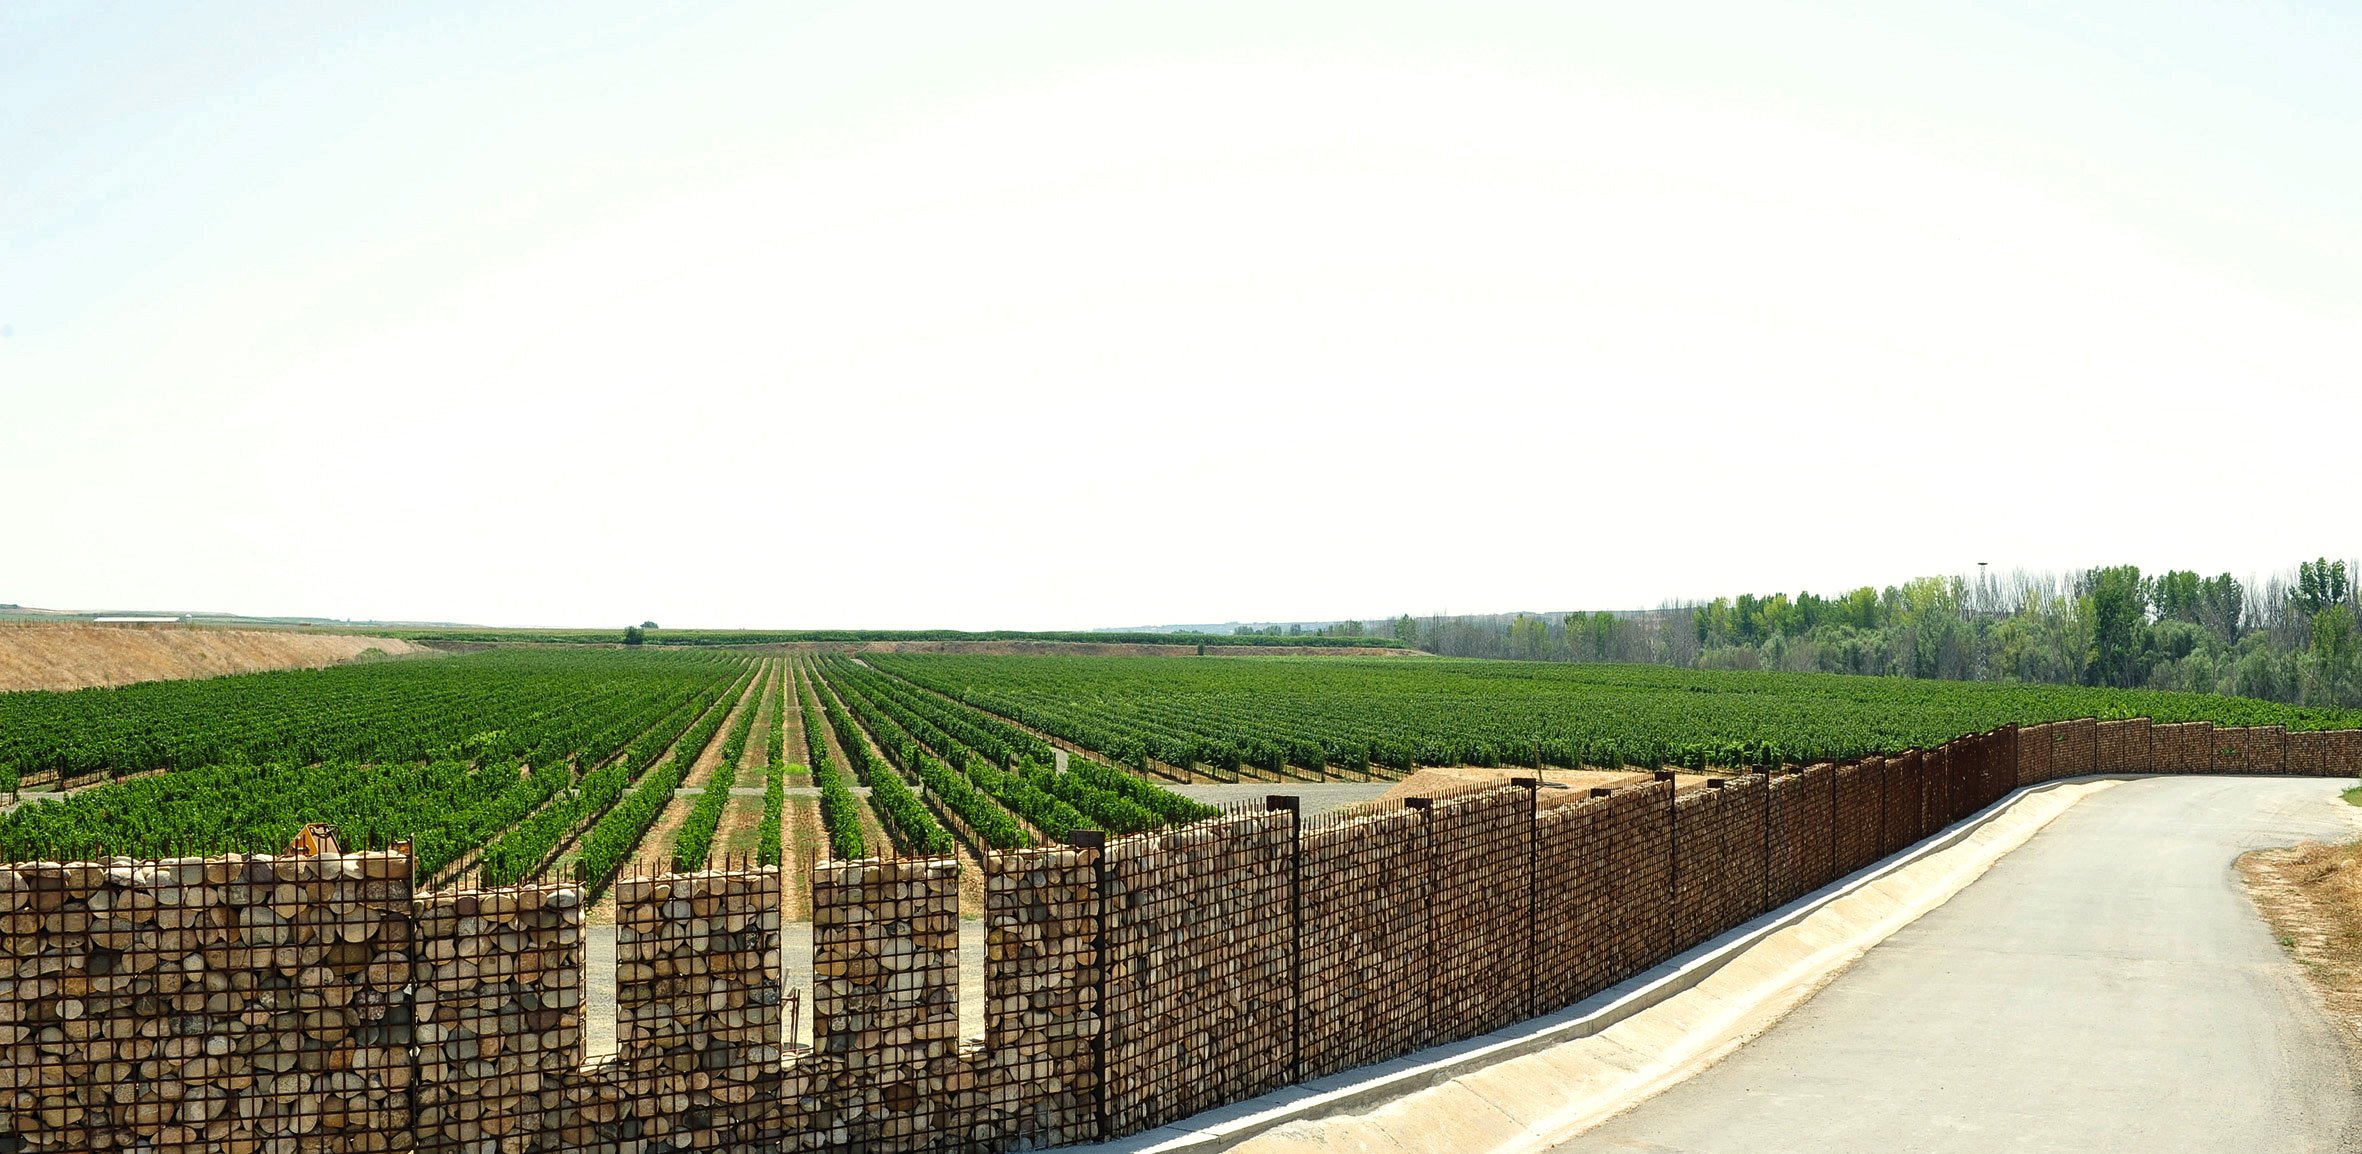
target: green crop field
<point>1323,714</point>
<point>526,763</point>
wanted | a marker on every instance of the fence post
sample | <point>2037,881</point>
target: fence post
<point>1091,839</point>
<point>1533,881</point>
<point>1882,764</point>
<point>1672,862</point>
<point>1426,808</point>
<point>1293,807</point>
<point>1833,819</point>
<point>1764,903</point>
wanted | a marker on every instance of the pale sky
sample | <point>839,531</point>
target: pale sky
<point>1060,316</point>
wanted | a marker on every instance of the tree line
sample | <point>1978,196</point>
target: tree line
<point>2291,637</point>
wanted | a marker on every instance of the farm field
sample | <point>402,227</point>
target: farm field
<point>515,765</point>
<point>520,764</point>
<point>1224,718</point>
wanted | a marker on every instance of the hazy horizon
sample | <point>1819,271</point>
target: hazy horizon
<point>1042,316</point>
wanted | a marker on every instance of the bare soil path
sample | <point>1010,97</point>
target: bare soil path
<point>735,836</point>
<point>799,755</point>
<point>800,829</point>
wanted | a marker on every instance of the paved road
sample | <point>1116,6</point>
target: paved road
<point>2107,987</point>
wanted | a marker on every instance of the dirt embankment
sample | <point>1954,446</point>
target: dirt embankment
<point>46,655</point>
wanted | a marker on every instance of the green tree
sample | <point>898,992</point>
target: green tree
<point>1776,616</point>
<point>2319,585</point>
<point>2222,605</point>
<point>2176,594</point>
<point>1599,631</point>
<point>2112,599</point>
<point>2334,649</point>
<point>1527,635</point>
<point>634,634</point>
<point>1859,609</point>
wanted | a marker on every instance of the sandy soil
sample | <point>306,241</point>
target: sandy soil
<point>2312,896</point>
<point>1214,647</point>
<point>799,756</point>
<point>1435,781</point>
<point>799,829</point>
<point>758,740</point>
<point>51,655</point>
<point>735,835</point>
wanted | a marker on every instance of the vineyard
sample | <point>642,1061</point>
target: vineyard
<point>1278,718</point>
<point>513,765</point>
<point>516,765</point>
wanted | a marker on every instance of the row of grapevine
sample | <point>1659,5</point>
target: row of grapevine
<point>446,806</point>
<point>914,830</point>
<point>768,832</point>
<point>696,841</point>
<point>987,823</point>
<point>527,847</point>
<point>610,841</point>
<point>608,700</point>
<point>840,807</point>
<point>1040,808</point>
<point>906,740</point>
<point>534,706</point>
<point>1104,798</point>
<point>982,819</point>
<point>1322,714</point>
<point>1090,778</point>
<point>1105,810</point>
<point>1168,808</point>
<point>1005,744</point>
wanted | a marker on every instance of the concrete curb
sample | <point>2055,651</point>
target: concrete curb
<point>1226,1126</point>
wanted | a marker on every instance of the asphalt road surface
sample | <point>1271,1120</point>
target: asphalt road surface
<point>2106,987</point>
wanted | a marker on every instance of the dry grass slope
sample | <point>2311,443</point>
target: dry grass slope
<point>46,655</point>
<point>2312,896</point>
